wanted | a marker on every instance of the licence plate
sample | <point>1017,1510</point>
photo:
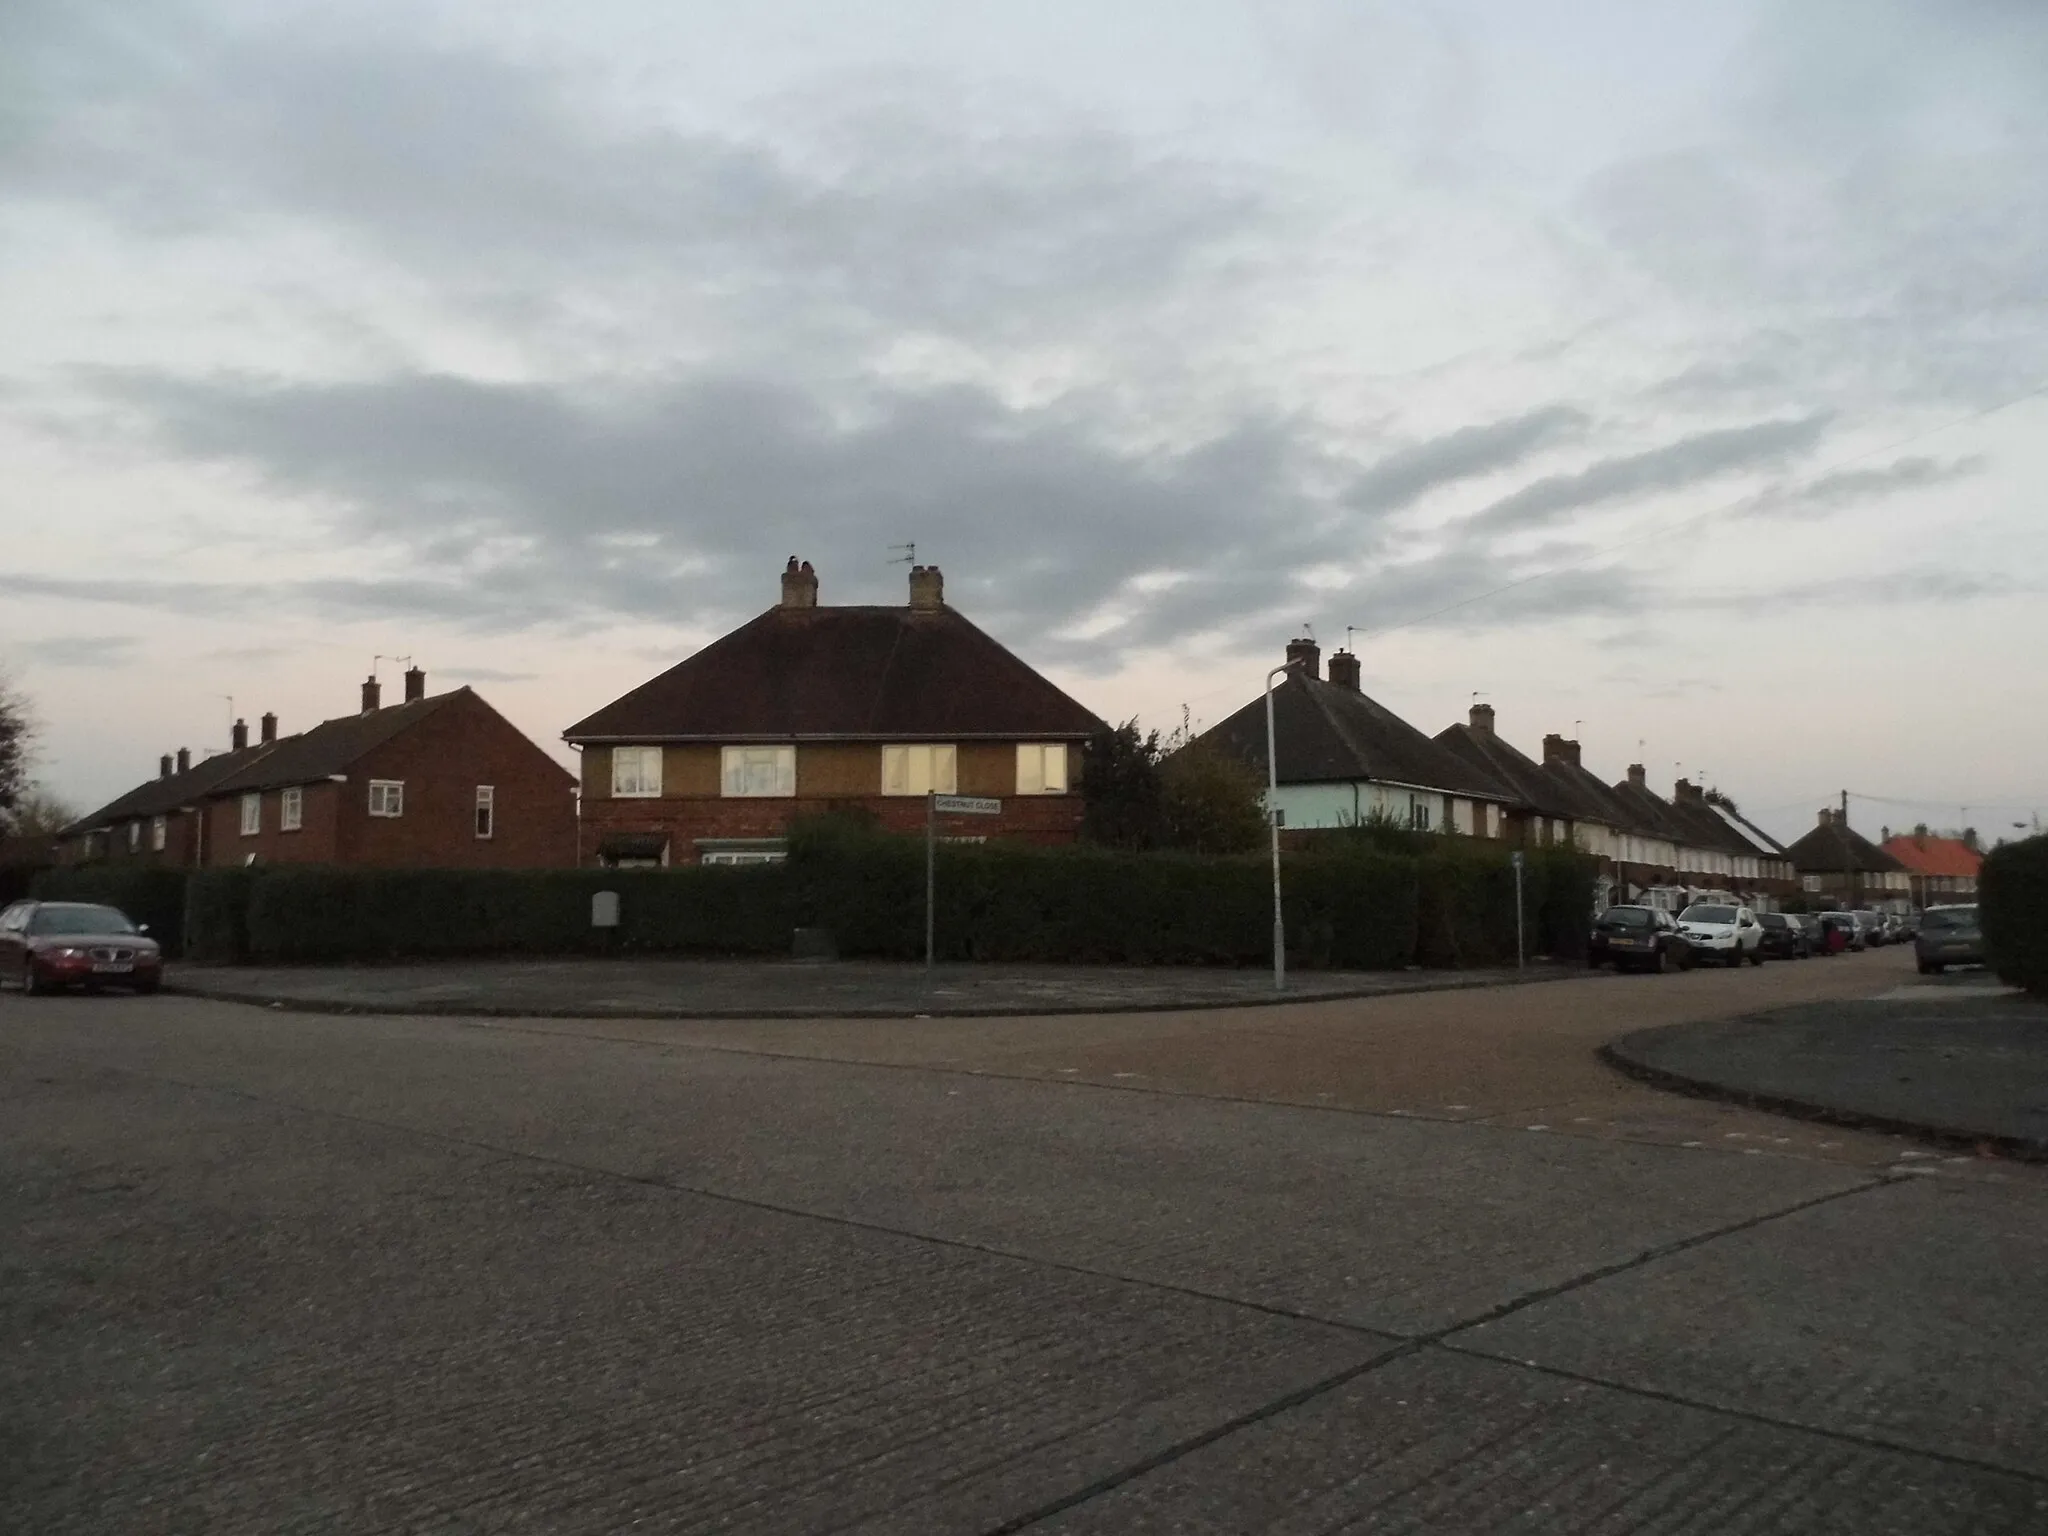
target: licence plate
<point>111,968</point>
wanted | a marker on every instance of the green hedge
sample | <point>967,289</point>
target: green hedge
<point>1351,906</point>
<point>2012,905</point>
<point>147,893</point>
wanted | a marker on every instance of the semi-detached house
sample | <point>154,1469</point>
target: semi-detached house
<point>807,709</point>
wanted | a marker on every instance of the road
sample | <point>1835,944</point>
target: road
<point>1411,1263</point>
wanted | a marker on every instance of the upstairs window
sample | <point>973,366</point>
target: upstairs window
<point>486,810</point>
<point>927,768</point>
<point>387,797</point>
<point>291,810</point>
<point>1042,768</point>
<point>134,835</point>
<point>158,833</point>
<point>757,772</point>
<point>636,773</point>
<point>252,815</point>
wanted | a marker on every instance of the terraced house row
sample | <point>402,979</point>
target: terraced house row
<point>809,707</point>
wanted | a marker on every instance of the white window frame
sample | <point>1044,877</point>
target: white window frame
<point>387,799</point>
<point>159,833</point>
<point>757,773</point>
<point>252,814</point>
<point>1042,767</point>
<point>134,836</point>
<point>291,809</point>
<point>921,768</point>
<point>485,822</point>
<point>1419,813</point>
<point>636,773</point>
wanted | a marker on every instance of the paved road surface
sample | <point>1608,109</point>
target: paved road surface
<point>1292,1270</point>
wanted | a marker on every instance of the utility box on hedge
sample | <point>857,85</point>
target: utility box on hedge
<point>604,909</point>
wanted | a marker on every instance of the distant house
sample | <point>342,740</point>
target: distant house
<point>1938,869</point>
<point>1346,759</point>
<point>162,820</point>
<point>806,709</point>
<point>1836,862</point>
<point>1549,807</point>
<point>441,782</point>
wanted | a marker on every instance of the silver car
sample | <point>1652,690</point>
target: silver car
<point>1948,936</point>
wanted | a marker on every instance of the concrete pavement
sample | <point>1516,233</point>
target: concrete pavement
<point>278,1272</point>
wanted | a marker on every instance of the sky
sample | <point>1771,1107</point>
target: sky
<point>1668,374</point>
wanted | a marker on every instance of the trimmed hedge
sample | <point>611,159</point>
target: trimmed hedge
<point>147,893</point>
<point>2012,906</point>
<point>1352,906</point>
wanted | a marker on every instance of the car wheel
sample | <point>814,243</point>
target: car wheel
<point>31,983</point>
<point>1756,956</point>
<point>1662,964</point>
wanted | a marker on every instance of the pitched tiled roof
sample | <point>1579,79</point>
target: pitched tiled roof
<point>1760,841</point>
<point>329,747</point>
<point>845,673</point>
<point>1834,847</point>
<point>1650,815</point>
<point>1949,856</point>
<point>1602,803</point>
<point>1329,734</point>
<point>1705,828</point>
<point>1517,772</point>
<point>160,796</point>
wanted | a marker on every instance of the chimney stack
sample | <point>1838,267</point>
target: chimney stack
<point>415,685</point>
<point>269,727</point>
<point>1305,656</point>
<point>1558,749</point>
<point>1827,816</point>
<point>1687,791</point>
<point>184,759</point>
<point>927,587</point>
<point>238,738</point>
<point>1344,670</point>
<point>163,766</point>
<point>373,695</point>
<point>1638,776</point>
<point>1482,719</point>
<point>799,585</point>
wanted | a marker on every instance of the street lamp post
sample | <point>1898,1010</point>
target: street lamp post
<point>1273,824</point>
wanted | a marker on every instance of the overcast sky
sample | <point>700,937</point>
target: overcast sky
<point>1636,365</point>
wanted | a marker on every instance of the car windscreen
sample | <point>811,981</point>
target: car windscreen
<point>69,918</point>
<point>1626,917</point>
<point>1948,917</point>
<point>1774,919</point>
<point>1709,914</point>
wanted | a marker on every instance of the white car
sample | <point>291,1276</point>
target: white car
<point>1728,934</point>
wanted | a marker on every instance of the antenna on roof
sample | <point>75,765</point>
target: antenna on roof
<point>908,557</point>
<point>231,713</point>
<point>375,659</point>
<point>1578,729</point>
<point>1349,631</point>
<point>1308,630</point>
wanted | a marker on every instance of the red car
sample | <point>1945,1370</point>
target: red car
<point>49,944</point>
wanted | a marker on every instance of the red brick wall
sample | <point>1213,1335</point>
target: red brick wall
<point>314,843</point>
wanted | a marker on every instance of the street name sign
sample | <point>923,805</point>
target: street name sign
<point>967,805</point>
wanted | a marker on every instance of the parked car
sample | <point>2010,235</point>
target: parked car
<point>1843,931</point>
<point>1638,939</point>
<point>1727,934</point>
<point>49,944</point>
<point>1908,927</point>
<point>1815,930</point>
<point>1948,936</point>
<point>1783,937</point>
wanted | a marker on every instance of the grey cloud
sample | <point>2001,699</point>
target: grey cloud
<point>1851,487</point>
<point>1408,474</point>
<point>90,651</point>
<point>1674,466</point>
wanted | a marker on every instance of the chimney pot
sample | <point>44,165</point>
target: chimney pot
<point>1638,776</point>
<point>415,685</point>
<point>1827,816</point>
<point>372,694</point>
<point>927,587</point>
<point>163,766</point>
<point>184,759</point>
<point>799,585</point>
<point>238,738</point>
<point>269,724</point>
<point>1482,718</point>
<point>1344,670</point>
<point>1305,656</point>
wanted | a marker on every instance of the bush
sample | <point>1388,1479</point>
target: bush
<point>147,893</point>
<point>2012,905</point>
<point>217,915</point>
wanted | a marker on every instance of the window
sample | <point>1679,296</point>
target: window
<point>926,769</point>
<point>1418,813</point>
<point>636,773</point>
<point>767,772</point>
<point>134,835</point>
<point>1042,768</point>
<point>158,832</point>
<point>252,815</point>
<point>291,810</point>
<point>387,797</point>
<point>486,810</point>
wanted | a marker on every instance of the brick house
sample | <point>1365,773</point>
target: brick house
<point>441,782</point>
<point>1549,806</point>
<point>161,820</point>
<point>1345,758</point>
<point>1939,870</point>
<point>1843,866</point>
<point>806,709</point>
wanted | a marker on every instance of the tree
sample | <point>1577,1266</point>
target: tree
<point>1211,802</point>
<point>38,813</point>
<point>1120,788</point>
<point>17,741</point>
